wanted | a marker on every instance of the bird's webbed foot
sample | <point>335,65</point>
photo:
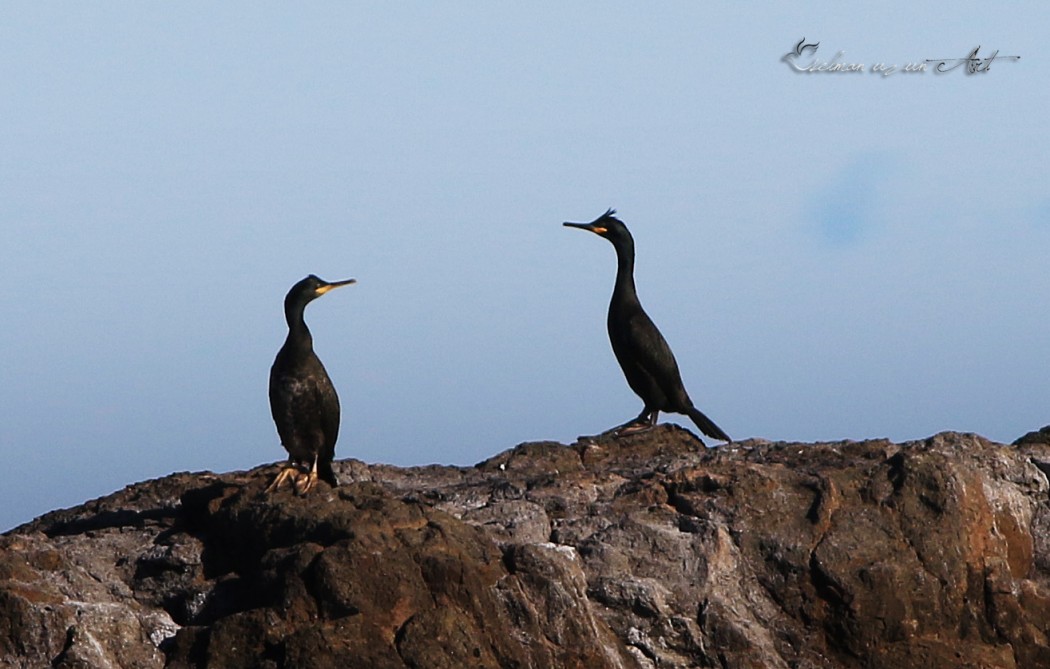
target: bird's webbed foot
<point>306,482</point>
<point>302,481</point>
<point>633,427</point>
<point>645,421</point>
<point>289,473</point>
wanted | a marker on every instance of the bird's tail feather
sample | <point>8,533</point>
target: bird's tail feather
<point>706,425</point>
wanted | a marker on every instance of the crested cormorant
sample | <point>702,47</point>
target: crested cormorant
<point>639,347</point>
<point>303,401</point>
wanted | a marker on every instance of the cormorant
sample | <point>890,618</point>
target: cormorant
<point>303,401</point>
<point>641,350</point>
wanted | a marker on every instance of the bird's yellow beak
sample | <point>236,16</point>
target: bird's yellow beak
<point>321,290</point>
<point>598,230</point>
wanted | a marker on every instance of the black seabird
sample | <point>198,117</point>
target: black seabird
<point>643,353</point>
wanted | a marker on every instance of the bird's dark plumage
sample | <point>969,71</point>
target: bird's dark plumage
<point>643,353</point>
<point>303,400</point>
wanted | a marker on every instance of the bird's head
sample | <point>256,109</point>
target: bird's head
<point>313,287</point>
<point>608,226</point>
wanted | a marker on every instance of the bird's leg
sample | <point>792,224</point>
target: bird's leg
<point>645,420</point>
<point>289,472</point>
<point>305,482</point>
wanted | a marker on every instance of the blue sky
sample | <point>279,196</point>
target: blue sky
<point>829,255</point>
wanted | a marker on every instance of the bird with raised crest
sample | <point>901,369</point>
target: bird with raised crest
<point>643,353</point>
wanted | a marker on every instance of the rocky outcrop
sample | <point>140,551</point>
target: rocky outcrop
<point>642,551</point>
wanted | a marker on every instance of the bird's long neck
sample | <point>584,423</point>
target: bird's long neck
<point>623,289</point>
<point>299,338</point>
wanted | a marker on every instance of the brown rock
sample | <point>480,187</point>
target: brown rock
<point>643,551</point>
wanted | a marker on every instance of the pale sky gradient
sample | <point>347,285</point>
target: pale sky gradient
<point>830,256</point>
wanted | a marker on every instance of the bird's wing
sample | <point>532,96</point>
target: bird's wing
<point>648,353</point>
<point>301,409</point>
<point>329,400</point>
<point>650,345</point>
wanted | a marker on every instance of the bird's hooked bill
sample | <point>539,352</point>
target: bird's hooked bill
<point>586,226</point>
<point>321,290</point>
